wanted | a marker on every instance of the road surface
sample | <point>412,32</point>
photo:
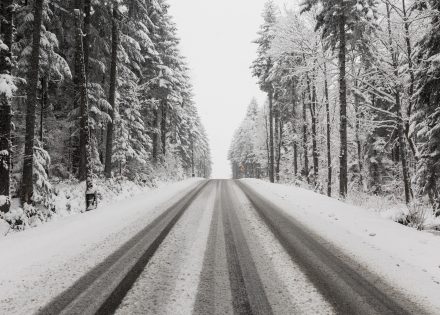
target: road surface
<point>224,249</point>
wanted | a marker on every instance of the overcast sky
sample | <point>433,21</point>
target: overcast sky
<point>216,37</point>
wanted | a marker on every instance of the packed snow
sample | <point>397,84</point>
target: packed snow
<point>407,258</point>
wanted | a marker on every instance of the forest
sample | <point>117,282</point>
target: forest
<point>353,100</point>
<point>91,91</point>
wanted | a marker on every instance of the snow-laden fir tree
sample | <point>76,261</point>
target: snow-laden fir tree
<point>261,69</point>
<point>344,23</point>
<point>7,88</point>
<point>426,117</point>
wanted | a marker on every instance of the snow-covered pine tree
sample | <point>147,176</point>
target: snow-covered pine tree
<point>344,23</point>
<point>426,116</point>
<point>7,88</point>
<point>261,68</point>
<point>27,188</point>
<point>247,152</point>
<point>112,88</point>
<point>81,90</point>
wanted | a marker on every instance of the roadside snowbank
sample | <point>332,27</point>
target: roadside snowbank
<point>68,199</point>
<point>405,257</point>
<point>39,263</point>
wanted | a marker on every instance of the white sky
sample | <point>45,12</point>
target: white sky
<point>216,37</point>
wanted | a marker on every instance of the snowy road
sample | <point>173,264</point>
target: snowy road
<point>225,249</point>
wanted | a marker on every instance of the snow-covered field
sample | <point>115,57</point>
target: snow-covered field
<point>39,263</point>
<point>403,256</point>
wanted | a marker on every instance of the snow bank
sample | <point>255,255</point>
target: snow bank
<point>405,257</point>
<point>39,263</point>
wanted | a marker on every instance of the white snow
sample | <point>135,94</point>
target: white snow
<point>7,85</point>
<point>407,258</point>
<point>39,263</point>
<point>169,283</point>
<point>287,287</point>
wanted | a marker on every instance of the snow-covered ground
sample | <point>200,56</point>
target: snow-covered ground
<point>39,263</point>
<point>403,256</point>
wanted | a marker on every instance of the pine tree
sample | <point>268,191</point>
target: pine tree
<point>7,87</point>
<point>81,90</point>
<point>32,83</point>
<point>426,118</point>
<point>261,68</point>
<point>112,91</point>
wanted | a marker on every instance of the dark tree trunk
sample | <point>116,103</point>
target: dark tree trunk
<point>279,126</point>
<point>6,27</point>
<point>271,144</point>
<point>402,149</point>
<point>80,160</point>
<point>192,158</point>
<point>357,127</point>
<point>81,92</point>
<point>27,188</point>
<point>305,149</point>
<point>329,157</point>
<point>312,108</point>
<point>112,93</point>
<point>79,150</point>
<point>343,158</point>
<point>295,144</point>
<point>266,121</point>
<point>277,142</point>
<point>358,140</point>
<point>295,158</point>
<point>163,126</point>
<point>87,22</point>
<point>43,102</point>
<point>156,135</point>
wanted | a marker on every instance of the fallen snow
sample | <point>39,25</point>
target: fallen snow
<point>39,263</point>
<point>169,283</point>
<point>287,287</point>
<point>407,258</point>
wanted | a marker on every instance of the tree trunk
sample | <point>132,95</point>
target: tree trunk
<point>271,144</point>
<point>27,188</point>
<point>400,122</point>
<point>402,149</point>
<point>329,157</point>
<point>306,158</point>
<point>112,93</point>
<point>6,27</point>
<point>277,142</point>
<point>312,108</point>
<point>358,140</point>
<point>43,102</point>
<point>343,158</point>
<point>81,91</point>
<point>163,126</point>
<point>295,158</point>
<point>357,126</point>
<point>192,158</point>
<point>156,135</point>
<point>266,121</point>
<point>295,145</point>
<point>412,80</point>
<point>87,22</point>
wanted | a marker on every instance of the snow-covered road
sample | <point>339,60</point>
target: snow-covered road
<point>223,247</point>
